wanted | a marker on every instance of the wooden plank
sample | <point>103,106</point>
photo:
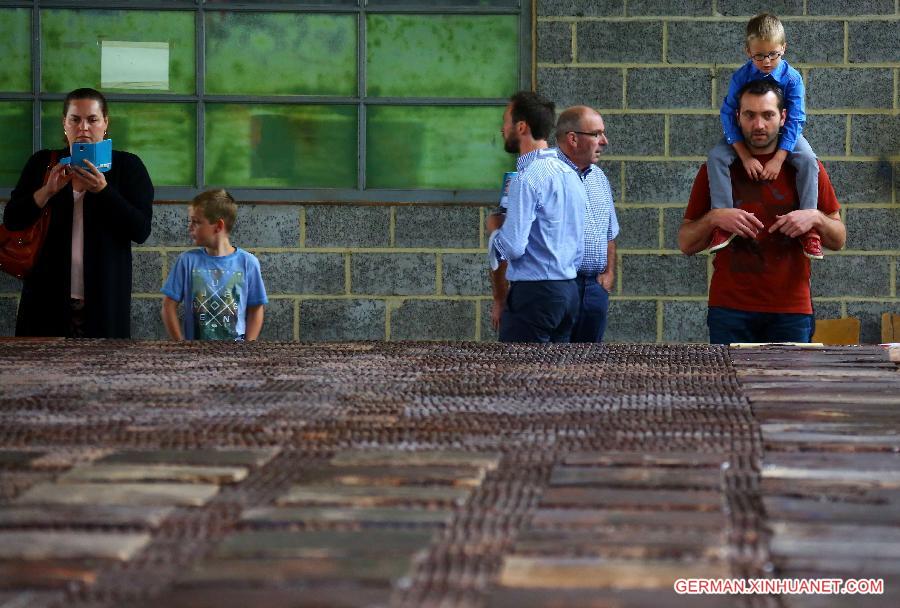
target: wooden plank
<point>654,459</point>
<point>614,518</point>
<point>45,574</point>
<point>223,457</point>
<point>113,473</point>
<point>657,543</point>
<point>877,479</point>
<point>396,458</point>
<point>373,515</point>
<point>673,500</point>
<point>646,477</point>
<point>83,515</point>
<point>600,573</point>
<point>836,511</point>
<point>512,597</point>
<point>163,494</point>
<point>228,572</point>
<point>322,543</point>
<point>39,545</point>
<point>835,540</point>
<point>395,476</point>
<point>373,496</point>
<point>319,596</point>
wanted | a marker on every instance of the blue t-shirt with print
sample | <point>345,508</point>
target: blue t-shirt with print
<point>219,288</point>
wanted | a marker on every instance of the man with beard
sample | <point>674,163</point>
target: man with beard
<point>523,137</point>
<point>760,285</point>
<point>581,137</point>
<point>542,237</point>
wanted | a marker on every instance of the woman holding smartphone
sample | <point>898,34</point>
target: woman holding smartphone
<point>80,286</point>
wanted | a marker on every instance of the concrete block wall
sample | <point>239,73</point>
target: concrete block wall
<point>657,72</point>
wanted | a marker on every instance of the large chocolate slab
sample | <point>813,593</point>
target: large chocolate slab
<point>365,496</point>
<point>231,572</point>
<point>647,477</point>
<point>638,499</point>
<point>222,457</point>
<point>831,460</point>
<point>878,479</point>
<point>594,518</point>
<point>600,573</point>
<point>395,476</point>
<point>306,596</point>
<point>322,543</point>
<point>512,597</point>
<point>46,574</point>
<point>372,515</point>
<point>113,473</point>
<point>653,459</point>
<point>38,545</point>
<point>837,511</point>
<point>180,494</point>
<point>83,515</point>
<point>836,540</point>
<point>624,544</point>
<point>17,458</point>
<point>409,458</point>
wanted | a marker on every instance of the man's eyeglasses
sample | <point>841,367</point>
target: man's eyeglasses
<point>770,56</point>
<point>594,134</point>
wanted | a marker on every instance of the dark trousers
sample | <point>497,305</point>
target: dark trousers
<point>593,308</point>
<point>727,325</point>
<point>539,311</point>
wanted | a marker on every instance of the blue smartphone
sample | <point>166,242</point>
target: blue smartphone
<point>99,154</point>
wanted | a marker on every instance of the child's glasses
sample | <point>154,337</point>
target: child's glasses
<point>770,56</point>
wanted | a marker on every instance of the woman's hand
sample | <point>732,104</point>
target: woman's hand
<point>92,181</point>
<point>56,181</point>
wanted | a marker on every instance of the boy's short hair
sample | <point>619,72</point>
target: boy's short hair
<point>216,205</point>
<point>767,27</point>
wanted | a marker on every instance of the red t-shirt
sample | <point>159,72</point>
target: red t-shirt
<point>770,273</point>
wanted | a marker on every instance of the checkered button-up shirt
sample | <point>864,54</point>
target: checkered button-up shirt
<point>600,222</point>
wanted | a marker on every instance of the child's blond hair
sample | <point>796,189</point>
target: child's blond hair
<point>766,27</point>
<point>216,205</point>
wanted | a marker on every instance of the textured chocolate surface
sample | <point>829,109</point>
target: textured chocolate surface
<point>452,474</point>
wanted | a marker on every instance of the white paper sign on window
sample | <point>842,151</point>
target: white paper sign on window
<point>134,65</point>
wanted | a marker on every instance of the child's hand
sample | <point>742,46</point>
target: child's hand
<point>772,169</point>
<point>753,168</point>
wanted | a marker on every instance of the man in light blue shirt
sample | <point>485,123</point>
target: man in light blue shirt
<point>581,137</point>
<point>542,240</point>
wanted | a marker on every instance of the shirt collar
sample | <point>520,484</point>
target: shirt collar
<point>776,74</point>
<point>562,156</point>
<point>526,159</point>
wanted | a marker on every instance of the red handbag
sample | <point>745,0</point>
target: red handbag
<point>19,249</point>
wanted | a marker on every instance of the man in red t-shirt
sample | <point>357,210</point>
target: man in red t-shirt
<point>760,284</point>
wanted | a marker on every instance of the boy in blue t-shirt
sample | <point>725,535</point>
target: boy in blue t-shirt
<point>765,47</point>
<point>222,283</point>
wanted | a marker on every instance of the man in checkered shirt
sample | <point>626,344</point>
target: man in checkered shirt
<point>580,138</point>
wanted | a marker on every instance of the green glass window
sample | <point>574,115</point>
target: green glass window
<point>117,51</point>
<point>300,54</point>
<point>15,48</point>
<point>453,147</point>
<point>163,135</point>
<point>281,146</point>
<point>441,55</point>
<point>15,124</point>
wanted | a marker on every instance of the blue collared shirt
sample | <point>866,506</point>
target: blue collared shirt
<point>791,83</point>
<point>542,238</point>
<point>600,222</point>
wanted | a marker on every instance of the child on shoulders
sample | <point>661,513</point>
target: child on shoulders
<point>765,46</point>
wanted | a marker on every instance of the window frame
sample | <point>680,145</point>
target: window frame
<point>524,10</point>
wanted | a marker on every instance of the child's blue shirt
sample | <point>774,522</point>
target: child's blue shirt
<point>790,81</point>
<point>220,289</point>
